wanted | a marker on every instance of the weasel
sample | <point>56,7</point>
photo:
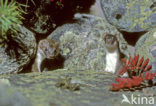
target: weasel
<point>47,49</point>
<point>113,54</point>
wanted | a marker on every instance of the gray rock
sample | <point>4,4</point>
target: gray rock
<point>17,53</point>
<point>146,46</point>
<point>130,15</point>
<point>94,89</point>
<point>11,97</point>
<point>81,42</point>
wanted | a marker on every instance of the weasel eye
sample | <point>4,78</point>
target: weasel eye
<point>105,39</point>
<point>113,38</point>
<point>46,49</point>
<point>55,51</point>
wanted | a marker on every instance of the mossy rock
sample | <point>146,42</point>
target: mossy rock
<point>18,51</point>
<point>9,96</point>
<point>81,42</point>
<point>146,47</point>
<point>130,15</point>
<point>41,89</point>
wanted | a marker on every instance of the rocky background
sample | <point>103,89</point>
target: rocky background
<point>78,26</point>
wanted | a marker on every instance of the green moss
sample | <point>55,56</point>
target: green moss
<point>41,89</point>
<point>85,50</point>
<point>144,12</point>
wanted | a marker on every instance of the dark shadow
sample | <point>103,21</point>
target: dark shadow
<point>153,5</point>
<point>118,16</point>
<point>59,13</point>
<point>57,63</point>
<point>132,37</point>
<point>67,14</point>
<point>27,68</point>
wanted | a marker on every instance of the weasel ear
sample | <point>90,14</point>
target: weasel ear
<point>104,35</point>
<point>118,37</point>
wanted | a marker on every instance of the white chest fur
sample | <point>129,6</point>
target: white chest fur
<point>39,59</point>
<point>111,61</point>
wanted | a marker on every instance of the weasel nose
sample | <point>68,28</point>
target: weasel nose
<point>51,56</point>
<point>109,41</point>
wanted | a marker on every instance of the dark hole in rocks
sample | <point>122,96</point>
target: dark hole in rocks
<point>57,63</point>
<point>47,64</point>
<point>118,16</point>
<point>132,37</point>
<point>27,68</point>
<point>153,5</point>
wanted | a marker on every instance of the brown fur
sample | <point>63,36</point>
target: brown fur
<point>47,49</point>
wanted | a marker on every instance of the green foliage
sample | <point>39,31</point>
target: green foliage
<point>10,17</point>
<point>26,5</point>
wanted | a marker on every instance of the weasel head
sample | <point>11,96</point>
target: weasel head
<point>49,48</point>
<point>111,42</point>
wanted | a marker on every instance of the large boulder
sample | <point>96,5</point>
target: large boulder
<point>9,96</point>
<point>42,89</point>
<point>146,46</point>
<point>130,15</point>
<point>81,42</point>
<point>18,52</point>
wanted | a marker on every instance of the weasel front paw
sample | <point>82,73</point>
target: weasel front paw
<point>109,70</point>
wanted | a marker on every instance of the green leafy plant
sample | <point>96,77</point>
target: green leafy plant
<point>26,5</point>
<point>10,18</point>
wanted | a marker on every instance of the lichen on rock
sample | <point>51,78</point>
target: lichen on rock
<point>130,15</point>
<point>18,51</point>
<point>146,47</point>
<point>81,43</point>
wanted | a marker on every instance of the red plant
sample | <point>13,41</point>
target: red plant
<point>135,65</point>
<point>136,69</point>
